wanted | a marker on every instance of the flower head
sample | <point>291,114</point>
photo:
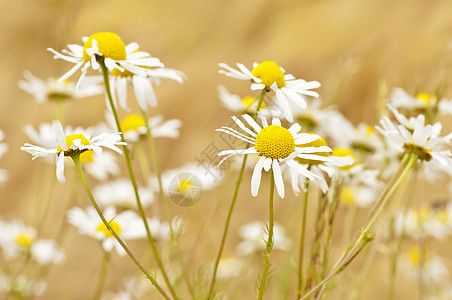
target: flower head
<point>54,89</point>
<point>73,145</point>
<point>271,77</point>
<point>106,47</point>
<point>274,144</point>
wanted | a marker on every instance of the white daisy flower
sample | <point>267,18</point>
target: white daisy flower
<point>271,77</point>
<point>47,252</point>
<point>142,84</point>
<point>134,127</point>
<point>399,98</point>
<point>21,286</point>
<point>111,49</point>
<point>127,225</point>
<point>246,104</point>
<point>230,266</point>
<point>254,236</point>
<point>53,89</point>
<point>189,180</point>
<point>275,145</point>
<point>423,140</point>
<point>320,168</point>
<point>98,166</point>
<point>16,238</point>
<point>74,144</point>
<point>120,194</point>
<point>434,270</point>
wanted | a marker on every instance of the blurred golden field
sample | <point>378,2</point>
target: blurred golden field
<point>349,46</point>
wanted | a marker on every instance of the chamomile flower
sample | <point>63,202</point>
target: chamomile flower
<point>46,252</point>
<point>319,167</point>
<point>434,270</point>
<point>254,235</point>
<point>22,287</point>
<point>189,181</point>
<point>74,144</point>
<point>275,145</point>
<point>134,127</point>
<point>271,77</point>
<point>423,140</point>
<point>16,238</point>
<point>230,266</point>
<point>53,89</point>
<point>127,225</point>
<point>120,194</point>
<point>109,47</point>
<point>142,84</point>
<point>400,99</point>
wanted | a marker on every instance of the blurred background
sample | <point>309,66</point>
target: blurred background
<point>349,46</point>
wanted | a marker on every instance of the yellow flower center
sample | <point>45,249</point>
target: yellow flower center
<point>317,143</point>
<point>342,152</point>
<point>70,141</point>
<point>115,226</point>
<point>426,98</point>
<point>185,186</point>
<point>132,122</point>
<point>110,46</point>
<point>87,157</point>
<point>124,73</point>
<point>24,240</point>
<point>369,130</point>
<point>443,216</point>
<point>422,214</point>
<point>414,256</point>
<point>269,72</point>
<point>347,195</point>
<point>275,142</point>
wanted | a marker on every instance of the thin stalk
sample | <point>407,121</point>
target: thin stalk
<point>354,246</point>
<point>142,159</point>
<point>102,276</point>
<point>231,208</point>
<point>269,245</point>
<point>76,159</point>
<point>302,238</point>
<point>317,245</point>
<point>134,183</point>
<point>59,105</point>
<point>157,172</point>
<point>398,246</point>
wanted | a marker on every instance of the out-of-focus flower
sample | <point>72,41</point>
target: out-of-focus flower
<point>120,194</point>
<point>54,90</point>
<point>22,287</point>
<point>127,225</point>
<point>254,235</point>
<point>229,266</point>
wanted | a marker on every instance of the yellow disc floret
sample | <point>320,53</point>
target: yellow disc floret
<point>115,226</point>
<point>24,240</point>
<point>110,46</point>
<point>347,195</point>
<point>275,142</point>
<point>426,98</point>
<point>269,72</point>
<point>132,123</point>
<point>71,138</point>
<point>87,157</point>
<point>317,143</point>
<point>185,186</point>
<point>342,152</point>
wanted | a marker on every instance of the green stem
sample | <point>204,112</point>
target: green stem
<point>355,247</point>
<point>78,166</point>
<point>269,246</point>
<point>134,183</point>
<point>142,159</point>
<point>231,208</point>
<point>158,174</point>
<point>59,104</point>
<point>302,238</point>
<point>102,276</point>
